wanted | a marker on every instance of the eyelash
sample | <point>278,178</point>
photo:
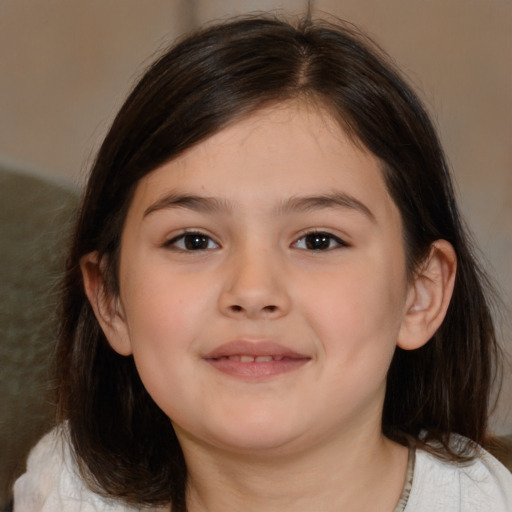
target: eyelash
<point>322,238</point>
<point>191,236</point>
<point>201,242</point>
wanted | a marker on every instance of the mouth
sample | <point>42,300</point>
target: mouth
<point>255,360</point>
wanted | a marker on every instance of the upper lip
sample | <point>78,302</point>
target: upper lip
<point>255,349</point>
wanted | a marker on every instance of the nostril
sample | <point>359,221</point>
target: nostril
<point>266,309</point>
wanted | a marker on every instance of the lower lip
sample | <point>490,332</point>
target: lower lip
<point>256,370</point>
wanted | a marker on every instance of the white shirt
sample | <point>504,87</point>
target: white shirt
<point>52,484</point>
<point>483,486</point>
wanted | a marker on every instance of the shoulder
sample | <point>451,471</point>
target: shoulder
<point>52,483</point>
<point>482,485</point>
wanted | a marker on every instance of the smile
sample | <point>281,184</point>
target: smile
<point>255,360</point>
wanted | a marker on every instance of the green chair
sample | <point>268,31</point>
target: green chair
<point>35,214</point>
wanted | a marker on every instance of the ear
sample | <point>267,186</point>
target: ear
<point>428,296</point>
<point>107,308</point>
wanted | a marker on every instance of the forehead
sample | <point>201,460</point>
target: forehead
<point>288,150</point>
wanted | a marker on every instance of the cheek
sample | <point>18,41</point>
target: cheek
<point>357,312</point>
<point>161,305</point>
<point>162,319</point>
<point>162,329</point>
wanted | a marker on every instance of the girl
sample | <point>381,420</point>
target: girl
<point>270,301</point>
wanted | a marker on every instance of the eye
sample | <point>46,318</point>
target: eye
<point>319,241</point>
<point>192,242</point>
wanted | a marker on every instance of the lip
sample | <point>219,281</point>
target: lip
<point>255,349</point>
<point>229,358</point>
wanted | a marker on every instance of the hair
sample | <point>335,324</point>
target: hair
<point>123,442</point>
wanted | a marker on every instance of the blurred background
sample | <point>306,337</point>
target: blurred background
<point>66,66</point>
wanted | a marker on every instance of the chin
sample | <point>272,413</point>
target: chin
<point>258,444</point>
<point>250,435</point>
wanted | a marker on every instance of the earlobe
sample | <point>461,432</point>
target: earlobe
<point>429,296</point>
<point>107,308</point>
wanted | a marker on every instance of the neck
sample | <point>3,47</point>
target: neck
<point>356,473</point>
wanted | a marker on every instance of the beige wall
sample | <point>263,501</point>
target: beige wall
<point>65,66</point>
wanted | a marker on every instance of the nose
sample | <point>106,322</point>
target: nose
<point>255,287</point>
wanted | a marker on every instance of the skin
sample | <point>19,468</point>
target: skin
<point>255,441</point>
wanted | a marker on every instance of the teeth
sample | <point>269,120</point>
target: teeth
<point>252,359</point>
<point>263,359</point>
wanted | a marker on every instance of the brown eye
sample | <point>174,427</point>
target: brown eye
<point>319,241</point>
<point>192,242</point>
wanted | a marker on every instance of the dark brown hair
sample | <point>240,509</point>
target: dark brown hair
<point>122,440</point>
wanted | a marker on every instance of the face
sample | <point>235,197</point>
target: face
<point>263,284</point>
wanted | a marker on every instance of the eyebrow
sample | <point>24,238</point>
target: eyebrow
<point>319,202</point>
<point>190,202</point>
<point>208,204</point>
